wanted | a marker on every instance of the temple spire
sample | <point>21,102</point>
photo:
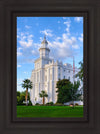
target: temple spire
<point>44,36</point>
<point>44,49</point>
<point>44,40</point>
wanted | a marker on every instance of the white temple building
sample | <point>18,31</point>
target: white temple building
<point>46,74</point>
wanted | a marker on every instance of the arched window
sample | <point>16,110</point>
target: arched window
<point>59,76</point>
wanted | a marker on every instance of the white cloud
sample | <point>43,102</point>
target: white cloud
<point>18,51</point>
<point>25,52</point>
<point>30,36</point>
<point>19,80</point>
<point>68,24</point>
<point>58,38</point>
<point>25,43</point>
<point>63,47</point>
<point>64,18</point>
<point>28,27</point>
<point>47,32</point>
<point>81,38</point>
<point>41,38</point>
<point>26,40</point>
<point>18,65</point>
<point>75,46</point>
<point>17,36</point>
<point>26,72</point>
<point>35,52</point>
<point>63,42</point>
<point>68,40</point>
<point>25,60</point>
<point>78,19</point>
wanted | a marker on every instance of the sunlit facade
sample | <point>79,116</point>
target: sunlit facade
<point>46,74</point>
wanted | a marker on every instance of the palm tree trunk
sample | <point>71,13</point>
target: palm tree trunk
<point>43,100</point>
<point>26,95</point>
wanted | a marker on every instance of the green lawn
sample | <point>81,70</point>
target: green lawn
<point>49,111</point>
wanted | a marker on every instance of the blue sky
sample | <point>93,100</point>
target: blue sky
<point>64,36</point>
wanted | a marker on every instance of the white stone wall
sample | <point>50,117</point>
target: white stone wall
<point>45,78</point>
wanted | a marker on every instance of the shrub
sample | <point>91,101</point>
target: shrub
<point>71,103</point>
<point>59,104</point>
<point>76,104</point>
<point>51,103</point>
<point>21,98</point>
<point>47,103</point>
<point>18,93</point>
<point>37,104</point>
<point>30,103</point>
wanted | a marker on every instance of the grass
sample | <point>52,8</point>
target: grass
<point>49,111</point>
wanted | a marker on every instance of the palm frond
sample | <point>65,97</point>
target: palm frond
<point>27,84</point>
<point>43,94</point>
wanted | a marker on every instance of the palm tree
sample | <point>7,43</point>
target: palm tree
<point>43,94</point>
<point>27,84</point>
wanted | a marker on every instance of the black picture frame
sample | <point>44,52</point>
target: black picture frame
<point>91,123</point>
<point>14,61</point>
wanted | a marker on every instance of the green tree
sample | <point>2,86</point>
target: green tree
<point>18,93</point>
<point>80,76</point>
<point>74,92</point>
<point>63,90</point>
<point>80,73</point>
<point>67,91</point>
<point>21,97</point>
<point>28,85</point>
<point>43,94</point>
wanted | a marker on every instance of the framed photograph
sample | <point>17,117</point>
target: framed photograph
<point>50,68</point>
